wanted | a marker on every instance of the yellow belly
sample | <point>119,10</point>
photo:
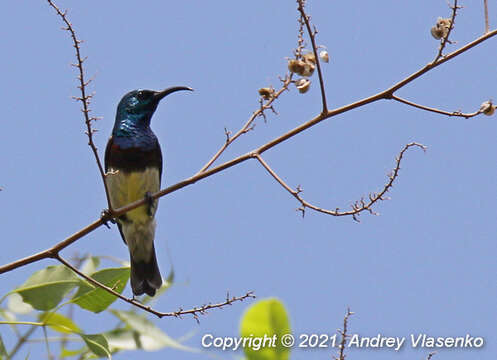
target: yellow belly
<point>125,188</point>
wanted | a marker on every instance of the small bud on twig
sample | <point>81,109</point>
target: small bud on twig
<point>487,108</point>
<point>266,92</point>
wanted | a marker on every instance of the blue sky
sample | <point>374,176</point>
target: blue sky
<point>425,265</point>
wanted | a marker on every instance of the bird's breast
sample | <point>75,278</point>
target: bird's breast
<point>128,186</point>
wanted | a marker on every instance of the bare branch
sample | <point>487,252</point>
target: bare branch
<point>487,26</point>
<point>358,206</point>
<point>312,36</point>
<point>53,251</point>
<point>85,98</point>
<point>249,125</point>
<point>430,355</point>
<point>194,312</point>
<point>344,335</point>
<point>438,111</point>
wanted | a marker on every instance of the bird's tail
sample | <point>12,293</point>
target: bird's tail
<point>145,276</point>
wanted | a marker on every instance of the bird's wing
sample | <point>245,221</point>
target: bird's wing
<point>107,161</point>
<point>107,154</point>
<point>159,158</point>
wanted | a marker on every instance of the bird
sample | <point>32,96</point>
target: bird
<point>133,171</point>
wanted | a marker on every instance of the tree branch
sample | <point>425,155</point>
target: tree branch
<point>435,110</point>
<point>430,355</point>
<point>249,124</point>
<point>84,98</point>
<point>358,206</point>
<point>344,334</point>
<point>445,39</point>
<point>487,26</point>
<point>20,342</point>
<point>312,36</point>
<point>194,312</point>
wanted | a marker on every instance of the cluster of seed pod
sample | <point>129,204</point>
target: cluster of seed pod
<point>441,28</point>
<point>305,67</point>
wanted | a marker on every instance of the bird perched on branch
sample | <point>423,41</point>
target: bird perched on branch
<point>133,165</point>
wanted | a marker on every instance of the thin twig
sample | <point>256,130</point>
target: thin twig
<point>194,312</point>
<point>47,344</point>
<point>300,38</point>
<point>435,110</point>
<point>70,310</point>
<point>249,124</point>
<point>84,98</point>
<point>312,36</point>
<point>487,25</point>
<point>358,206</point>
<point>383,95</point>
<point>344,335</point>
<point>445,40</point>
<point>20,342</point>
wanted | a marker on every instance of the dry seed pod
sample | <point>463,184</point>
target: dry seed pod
<point>445,23</point>
<point>303,85</point>
<point>266,93</point>
<point>441,28</point>
<point>308,69</point>
<point>436,32</point>
<point>296,66</point>
<point>309,58</point>
<point>487,108</point>
<point>300,67</point>
<point>323,55</point>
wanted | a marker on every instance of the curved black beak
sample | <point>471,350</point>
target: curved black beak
<point>159,95</point>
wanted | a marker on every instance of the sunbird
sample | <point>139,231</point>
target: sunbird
<point>133,166</point>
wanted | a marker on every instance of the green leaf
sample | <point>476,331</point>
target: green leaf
<point>150,336</point>
<point>266,317</point>
<point>70,353</point>
<point>46,288</point>
<point>7,315</point>
<point>90,265</point>
<point>123,339</point>
<point>96,299</point>
<point>16,305</point>
<point>97,344</point>
<point>3,351</point>
<point>59,323</point>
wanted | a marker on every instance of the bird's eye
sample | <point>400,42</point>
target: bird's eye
<point>140,95</point>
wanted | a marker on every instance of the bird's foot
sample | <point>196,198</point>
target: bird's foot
<point>150,203</point>
<point>106,216</point>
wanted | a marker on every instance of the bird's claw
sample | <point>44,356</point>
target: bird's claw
<point>106,216</point>
<point>150,203</point>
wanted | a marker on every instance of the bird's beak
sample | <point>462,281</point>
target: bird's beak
<point>159,95</point>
